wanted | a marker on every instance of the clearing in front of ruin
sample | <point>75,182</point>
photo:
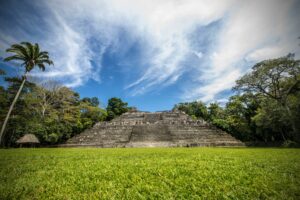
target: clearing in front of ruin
<point>153,173</point>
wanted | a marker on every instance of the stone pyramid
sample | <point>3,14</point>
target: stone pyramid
<point>158,129</point>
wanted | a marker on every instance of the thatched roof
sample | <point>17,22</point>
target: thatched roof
<point>28,138</point>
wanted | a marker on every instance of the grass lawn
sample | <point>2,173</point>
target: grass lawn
<point>153,173</point>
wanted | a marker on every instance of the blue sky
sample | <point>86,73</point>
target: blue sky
<point>152,54</point>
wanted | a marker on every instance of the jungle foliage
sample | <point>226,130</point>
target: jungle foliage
<point>28,56</point>
<point>52,112</point>
<point>265,108</point>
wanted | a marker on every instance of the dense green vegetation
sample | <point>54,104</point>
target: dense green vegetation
<point>116,107</point>
<point>29,56</point>
<point>50,111</point>
<point>160,173</point>
<point>266,107</point>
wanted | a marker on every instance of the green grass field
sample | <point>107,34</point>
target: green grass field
<point>154,173</point>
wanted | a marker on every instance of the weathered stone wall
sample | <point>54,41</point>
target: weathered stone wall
<point>143,129</point>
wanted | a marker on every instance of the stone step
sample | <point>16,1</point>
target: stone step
<point>150,144</point>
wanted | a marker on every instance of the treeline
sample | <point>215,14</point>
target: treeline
<point>52,112</point>
<point>266,106</point>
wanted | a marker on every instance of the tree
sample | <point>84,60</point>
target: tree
<point>90,113</point>
<point>239,111</point>
<point>116,107</point>
<point>3,103</point>
<point>22,116</point>
<point>215,111</point>
<point>94,101</point>
<point>276,79</point>
<point>30,56</point>
<point>272,122</point>
<point>196,109</point>
<point>3,99</point>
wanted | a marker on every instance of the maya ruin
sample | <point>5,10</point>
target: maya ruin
<point>158,129</point>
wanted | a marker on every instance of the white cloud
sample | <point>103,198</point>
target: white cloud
<point>163,26</point>
<point>82,31</point>
<point>70,54</point>
<point>253,31</point>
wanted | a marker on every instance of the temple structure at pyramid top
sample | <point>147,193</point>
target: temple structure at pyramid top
<point>158,129</point>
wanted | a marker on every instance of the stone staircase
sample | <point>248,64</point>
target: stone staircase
<point>160,129</point>
<point>151,132</point>
<point>102,136</point>
<point>201,136</point>
<point>151,135</point>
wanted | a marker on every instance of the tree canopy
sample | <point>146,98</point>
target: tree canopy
<point>266,108</point>
<point>116,107</point>
<point>53,114</point>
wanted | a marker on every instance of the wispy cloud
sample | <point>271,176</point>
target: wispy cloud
<point>252,31</point>
<point>78,34</point>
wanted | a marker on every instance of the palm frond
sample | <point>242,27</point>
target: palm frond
<point>43,53</point>
<point>30,55</point>
<point>30,48</point>
<point>28,68</point>
<point>14,57</point>
<point>44,57</point>
<point>18,49</point>
<point>36,50</point>
<point>41,66</point>
<point>49,62</point>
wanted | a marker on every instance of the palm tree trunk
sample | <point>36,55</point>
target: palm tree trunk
<point>11,108</point>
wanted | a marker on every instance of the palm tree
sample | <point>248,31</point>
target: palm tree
<point>30,56</point>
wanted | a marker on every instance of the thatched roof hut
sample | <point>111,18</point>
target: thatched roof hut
<point>28,139</point>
